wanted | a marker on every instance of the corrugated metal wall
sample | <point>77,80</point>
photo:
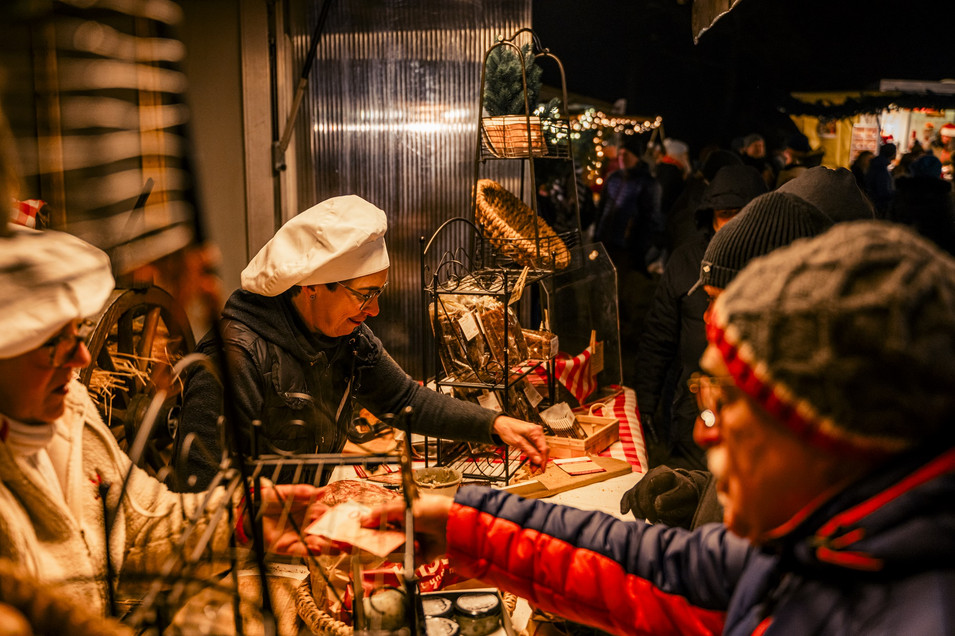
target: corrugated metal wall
<point>392,115</point>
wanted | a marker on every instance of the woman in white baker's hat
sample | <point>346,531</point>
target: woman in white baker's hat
<point>58,459</point>
<point>301,358</point>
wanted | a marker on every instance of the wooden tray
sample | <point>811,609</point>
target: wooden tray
<point>601,433</point>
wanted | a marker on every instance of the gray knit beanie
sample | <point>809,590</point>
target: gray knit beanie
<point>767,222</point>
<point>835,192</point>
<point>848,339</point>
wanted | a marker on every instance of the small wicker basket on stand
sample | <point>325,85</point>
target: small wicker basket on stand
<point>516,231</point>
<point>507,136</point>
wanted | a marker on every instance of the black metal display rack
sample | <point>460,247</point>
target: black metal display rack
<point>502,253</point>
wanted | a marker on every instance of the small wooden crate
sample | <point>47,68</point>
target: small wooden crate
<point>601,433</point>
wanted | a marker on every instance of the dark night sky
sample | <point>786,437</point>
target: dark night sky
<point>733,81</point>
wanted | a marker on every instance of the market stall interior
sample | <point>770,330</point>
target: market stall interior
<point>178,136</point>
<point>383,101</point>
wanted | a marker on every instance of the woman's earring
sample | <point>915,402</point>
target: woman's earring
<point>311,296</point>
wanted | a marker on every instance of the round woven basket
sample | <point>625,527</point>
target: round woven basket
<point>509,225</point>
<point>315,618</point>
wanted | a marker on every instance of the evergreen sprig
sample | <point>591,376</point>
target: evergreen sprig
<point>503,84</point>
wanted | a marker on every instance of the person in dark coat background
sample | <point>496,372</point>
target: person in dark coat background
<point>681,225</point>
<point>631,226</point>
<point>924,201</point>
<point>879,185</point>
<point>674,336</point>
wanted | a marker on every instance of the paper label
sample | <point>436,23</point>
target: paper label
<point>597,358</point>
<point>554,346</point>
<point>533,395</point>
<point>489,401</point>
<point>469,326</point>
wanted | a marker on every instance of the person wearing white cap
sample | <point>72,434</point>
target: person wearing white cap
<point>300,358</point>
<point>59,461</point>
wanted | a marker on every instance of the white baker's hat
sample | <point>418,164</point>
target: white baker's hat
<point>339,239</point>
<point>46,280</point>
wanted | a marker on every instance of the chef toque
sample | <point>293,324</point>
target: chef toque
<point>339,239</point>
<point>46,280</point>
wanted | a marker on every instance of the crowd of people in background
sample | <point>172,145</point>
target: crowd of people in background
<point>658,211</point>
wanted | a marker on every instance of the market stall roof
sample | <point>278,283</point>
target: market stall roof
<point>817,45</point>
<point>888,95</point>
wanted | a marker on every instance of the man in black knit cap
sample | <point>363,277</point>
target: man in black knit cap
<point>674,335</point>
<point>685,497</point>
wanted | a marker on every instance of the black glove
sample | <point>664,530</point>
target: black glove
<point>666,495</point>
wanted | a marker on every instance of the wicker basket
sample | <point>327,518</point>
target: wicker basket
<point>507,136</point>
<point>509,225</point>
<point>316,619</point>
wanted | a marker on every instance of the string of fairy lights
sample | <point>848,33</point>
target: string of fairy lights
<point>592,129</point>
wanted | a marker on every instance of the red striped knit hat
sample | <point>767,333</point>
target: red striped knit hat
<point>848,338</point>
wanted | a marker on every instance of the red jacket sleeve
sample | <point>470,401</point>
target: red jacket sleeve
<point>581,565</point>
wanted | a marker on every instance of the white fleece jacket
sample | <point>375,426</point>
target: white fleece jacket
<point>61,539</point>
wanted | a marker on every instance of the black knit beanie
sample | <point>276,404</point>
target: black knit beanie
<point>719,159</point>
<point>769,221</point>
<point>835,192</point>
<point>847,339</point>
<point>731,189</point>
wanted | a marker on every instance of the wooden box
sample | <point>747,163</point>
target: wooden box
<point>601,433</point>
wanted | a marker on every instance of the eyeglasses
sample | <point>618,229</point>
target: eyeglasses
<point>63,347</point>
<point>365,298</point>
<point>712,394</point>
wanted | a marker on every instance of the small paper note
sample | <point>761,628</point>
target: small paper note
<point>533,395</point>
<point>342,523</point>
<point>489,401</point>
<point>597,358</point>
<point>579,466</point>
<point>469,326</point>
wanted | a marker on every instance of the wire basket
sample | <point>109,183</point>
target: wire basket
<point>516,231</point>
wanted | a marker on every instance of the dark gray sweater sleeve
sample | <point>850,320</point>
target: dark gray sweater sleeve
<point>386,388</point>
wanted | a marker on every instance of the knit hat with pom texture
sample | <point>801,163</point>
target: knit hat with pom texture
<point>848,339</point>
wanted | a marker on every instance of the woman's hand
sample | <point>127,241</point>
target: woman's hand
<point>286,510</point>
<point>527,437</point>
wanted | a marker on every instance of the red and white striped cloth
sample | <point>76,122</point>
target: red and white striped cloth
<point>572,372</point>
<point>631,447</point>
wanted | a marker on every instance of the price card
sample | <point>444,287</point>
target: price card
<point>489,401</point>
<point>533,395</point>
<point>579,466</point>
<point>469,326</point>
<point>597,358</point>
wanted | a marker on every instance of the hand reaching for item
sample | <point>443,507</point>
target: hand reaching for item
<point>527,437</point>
<point>285,511</point>
<point>430,524</point>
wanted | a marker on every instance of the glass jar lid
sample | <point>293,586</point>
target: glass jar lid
<point>436,606</point>
<point>477,605</point>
